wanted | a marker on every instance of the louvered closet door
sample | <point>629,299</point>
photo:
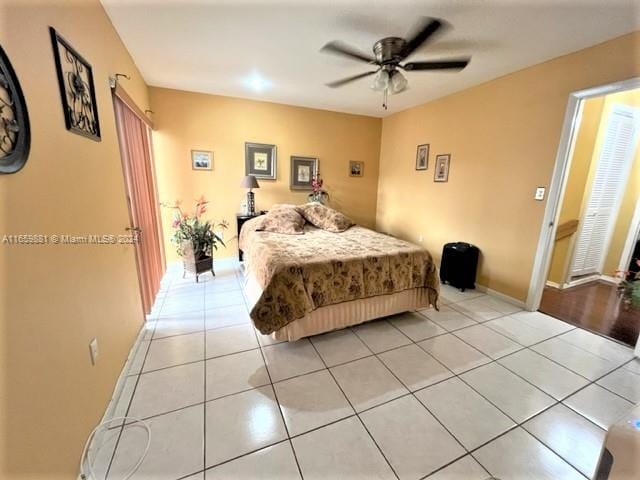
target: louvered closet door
<point>610,179</point>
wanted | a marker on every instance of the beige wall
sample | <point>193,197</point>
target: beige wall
<point>576,182</point>
<point>502,136</point>
<point>55,299</point>
<point>185,121</point>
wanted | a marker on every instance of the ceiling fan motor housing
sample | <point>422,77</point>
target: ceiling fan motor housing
<point>388,50</point>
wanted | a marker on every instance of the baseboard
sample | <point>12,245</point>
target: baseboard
<point>610,279</point>
<point>582,281</point>
<point>501,296</point>
<point>553,285</point>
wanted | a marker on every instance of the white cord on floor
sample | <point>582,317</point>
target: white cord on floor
<point>90,474</point>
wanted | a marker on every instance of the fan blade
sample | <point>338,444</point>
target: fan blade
<point>457,64</point>
<point>340,48</point>
<point>430,26</point>
<point>339,83</point>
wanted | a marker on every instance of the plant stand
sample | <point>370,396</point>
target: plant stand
<point>196,266</point>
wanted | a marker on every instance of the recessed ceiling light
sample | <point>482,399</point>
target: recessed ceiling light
<point>256,82</point>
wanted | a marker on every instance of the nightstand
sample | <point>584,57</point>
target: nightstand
<point>241,218</point>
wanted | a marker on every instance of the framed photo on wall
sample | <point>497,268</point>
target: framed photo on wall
<point>201,160</point>
<point>356,169</point>
<point>303,169</point>
<point>260,160</point>
<point>422,157</point>
<point>77,92</point>
<point>441,170</point>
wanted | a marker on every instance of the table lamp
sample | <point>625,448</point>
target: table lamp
<point>250,182</point>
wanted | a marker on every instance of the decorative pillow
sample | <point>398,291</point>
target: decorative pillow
<point>325,218</point>
<point>283,218</point>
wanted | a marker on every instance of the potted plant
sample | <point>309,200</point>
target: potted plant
<point>195,238</point>
<point>317,193</point>
<point>629,287</point>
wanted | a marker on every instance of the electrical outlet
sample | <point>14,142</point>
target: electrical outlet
<point>420,239</point>
<point>93,351</point>
<point>540,193</point>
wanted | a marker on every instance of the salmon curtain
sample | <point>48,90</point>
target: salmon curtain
<point>135,149</point>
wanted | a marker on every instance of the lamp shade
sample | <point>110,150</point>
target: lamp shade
<point>249,182</point>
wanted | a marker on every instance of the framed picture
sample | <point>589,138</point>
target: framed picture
<point>422,157</point>
<point>260,160</point>
<point>356,169</point>
<point>303,169</point>
<point>441,171</point>
<point>201,160</point>
<point>75,79</point>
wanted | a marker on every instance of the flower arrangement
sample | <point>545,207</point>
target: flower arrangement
<point>317,193</point>
<point>192,228</point>
<point>629,287</point>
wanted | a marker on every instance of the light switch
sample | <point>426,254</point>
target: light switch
<point>540,193</point>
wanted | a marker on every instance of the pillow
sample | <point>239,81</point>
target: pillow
<point>325,218</point>
<point>283,218</point>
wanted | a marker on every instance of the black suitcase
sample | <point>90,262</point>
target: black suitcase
<point>459,264</point>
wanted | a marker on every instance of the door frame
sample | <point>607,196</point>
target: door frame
<point>632,238</point>
<point>573,112</point>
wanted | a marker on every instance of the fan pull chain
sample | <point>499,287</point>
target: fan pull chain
<point>384,100</point>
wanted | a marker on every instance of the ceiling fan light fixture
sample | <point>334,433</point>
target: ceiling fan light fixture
<point>398,83</point>
<point>380,81</point>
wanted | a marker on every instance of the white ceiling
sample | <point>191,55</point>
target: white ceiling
<point>220,46</point>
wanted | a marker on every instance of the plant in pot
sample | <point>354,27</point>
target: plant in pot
<point>317,193</point>
<point>629,287</point>
<point>195,238</point>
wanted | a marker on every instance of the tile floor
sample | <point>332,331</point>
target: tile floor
<point>475,390</point>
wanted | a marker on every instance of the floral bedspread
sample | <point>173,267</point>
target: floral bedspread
<point>300,273</point>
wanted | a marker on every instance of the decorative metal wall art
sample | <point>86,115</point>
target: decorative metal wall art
<point>75,78</point>
<point>15,137</point>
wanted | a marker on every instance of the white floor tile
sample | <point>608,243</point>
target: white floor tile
<point>478,309</point>
<point>403,429</point>
<point>464,469</point>
<point>599,405</point>
<point>501,306</point>
<point>488,341</point>
<point>289,359</point>
<point>453,353</point>
<point>242,423</point>
<point>580,361</point>
<point>126,394</point>
<point>452,294</point>
<point>465,413</point>
<point>311,401</point>
<point>169,389</point>
<point>414,367</point>
<point>102,449</point>
<point>275,462</point>
<point>223,341</point>
<point>548,376</point>
<point>542,321</point>
<point>518,331</point>
<point>519,456</point>
<point>235,373</point>
<point>448,318</point>
<point>170,351</point>
<point>633,366</point>
<point>380,335</point>
<point>223,299</point>
<point>186,305</point>
<point>136,361</point>
<point>168,327</point>
<point>573,437</point>
<point>265,340</point>
<point>367,383</point>
<point>343,450</point>
<point>226,317</point>
<point>605,348</point>
<point>415,326</point>
<point>176,449</point>
<point>623,382</point>
<point>515,397</point>
<point>339,346</point>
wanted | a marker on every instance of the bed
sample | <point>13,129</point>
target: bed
<point>318,281</point>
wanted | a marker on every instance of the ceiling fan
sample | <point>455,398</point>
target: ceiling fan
<point>388,53</point>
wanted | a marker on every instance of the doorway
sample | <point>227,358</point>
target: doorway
<point>134,135</point>
<point>593,214</point>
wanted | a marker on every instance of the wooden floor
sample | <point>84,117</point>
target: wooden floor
<point>594,306</point>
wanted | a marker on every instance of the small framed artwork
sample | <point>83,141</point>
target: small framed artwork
<point>75,79</point>
<point>303,169</point>
<point>356,169</point>
<point>260,160</point>
<point>441,171</point>
<point>422,157</point>
<point>201,160</point>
